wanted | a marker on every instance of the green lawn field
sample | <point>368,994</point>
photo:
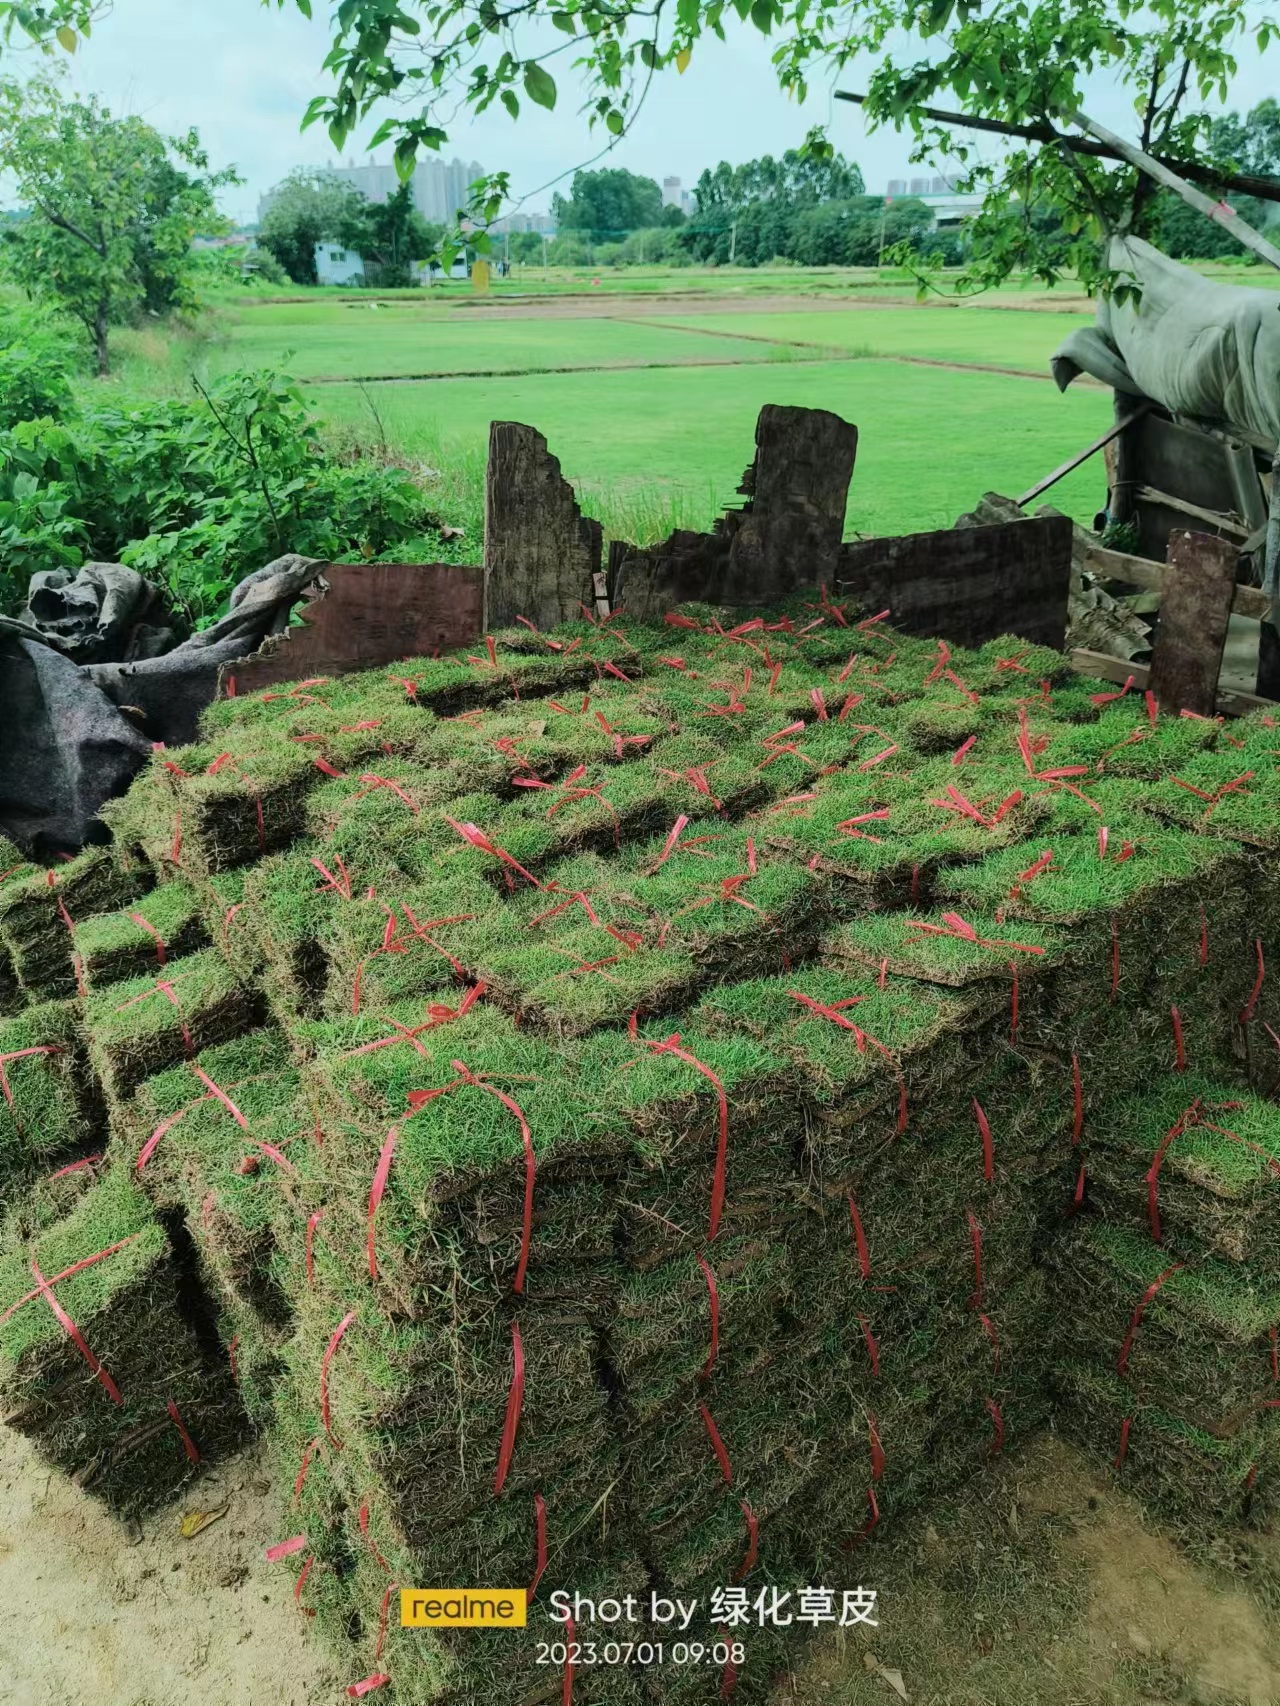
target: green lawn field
<point>365,340</point>
<point>931,440</point>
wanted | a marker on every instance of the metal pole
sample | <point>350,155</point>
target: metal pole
<point>884,213</point>
<point>733,241</point>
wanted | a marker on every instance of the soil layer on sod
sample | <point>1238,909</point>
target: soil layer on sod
<point>640,1107</point>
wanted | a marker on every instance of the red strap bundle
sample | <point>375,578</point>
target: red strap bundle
<point>717,1445</point>
<point>515,1401</point>
<point>671,1045</point>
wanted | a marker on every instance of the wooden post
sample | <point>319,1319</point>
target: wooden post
<point>1128,411</point>
<point>1199,585</point>
<point>540,552</point>
<point>1268,683</point>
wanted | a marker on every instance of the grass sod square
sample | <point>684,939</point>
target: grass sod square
<point>108,1421</point>
<point>1215,1151</point>
<point>112,947</point>
<point>137,1028</point>
<point>49,1110</point>
<point>1200,1480</point>
<point>1201,1349</point>
<point>38,913</point>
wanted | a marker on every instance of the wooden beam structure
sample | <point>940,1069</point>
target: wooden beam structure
<point>1081,456</point>
<point>1150,577</point>
<point>1230,702</point>
<point>1195,607</point>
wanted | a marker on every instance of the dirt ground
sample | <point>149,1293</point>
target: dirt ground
<point>1040,1585</point>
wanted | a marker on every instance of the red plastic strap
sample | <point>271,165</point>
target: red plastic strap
<point>66,1273</point>
<point>313,1220</point>
<point>149,927</point>
<point>1077,1101</point>
<point>873,1349</point>
<point>1179,1048</point>
<point>362,1517</point>
<point>877,1450</point>
<point>376,1189</point>
<point>728,1679</point>
<point>717,1445</point>
<point>957,757</point>
<point>221,1096</point>
<point>466,1076</point>
<point>713,1298</point>
<point>312,1447</point>
<point>1122,1361</point>
<point>1123,1452</point>
<point>325,1360</point>
<point>975,1239</point>
<point>997,1422</point>
<point>341,884</point>
<point>367,1685</point>
<point>382,1620</point>
<point>76,1166</point>
<point>988,1152</point>
<point>860,1240</point>
<point>188,1444</point>
<point>990,1331</point>
<point>753,1542</point>
<point>1204,939</point>
<point>1078,1198</point>
<point>540,1541</point>
<point>73,1332</point>
<point>669,846</point>
<point>670,1045</point>
<point>478,839</point>
<point>285,1548</point>
<point>1257,987</point>
<point>515,1400</point>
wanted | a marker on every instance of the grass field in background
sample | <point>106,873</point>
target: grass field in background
<point>931,440</point>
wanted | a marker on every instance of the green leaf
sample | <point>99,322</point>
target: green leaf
<point>511,102</point>
<point>762,16</point>
<point>67,36</point>
<point>304,6</point>
<point>682,59</point>
<point>539,85</point>
<point>564,21</point>
<point>614,121</point>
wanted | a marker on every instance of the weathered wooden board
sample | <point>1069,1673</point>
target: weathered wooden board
<point>968,584</point>
<point>1230,702</point>
<point>787,535</point>
<point>370,614</point>
<point>540,551</point>
<point>1195,607</point>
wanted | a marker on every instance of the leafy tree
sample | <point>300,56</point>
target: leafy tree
<point>799,179</point>
<point>1027,62</point>
<point>610,203</point>
<point>113,207</point>
<point>308,208</point>
<point>392,235</point>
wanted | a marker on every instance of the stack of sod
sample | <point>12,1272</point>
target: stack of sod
<point>621,1089</point>
<point>100,1363</point>
<point>48,1103</point>
<point>39,911</point>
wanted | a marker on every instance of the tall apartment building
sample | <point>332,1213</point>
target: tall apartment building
<point>439,186</point>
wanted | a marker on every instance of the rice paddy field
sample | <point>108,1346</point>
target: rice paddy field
<point>647,387</point>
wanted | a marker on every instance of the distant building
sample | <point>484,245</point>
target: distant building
<point>540,224</point>
<point>439,186</point>
<point>673,195</point>
<point>948,206</point>
<point>335,265</point>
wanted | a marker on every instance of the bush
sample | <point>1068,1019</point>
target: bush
<point>36,357</point>
<point>196,494</point>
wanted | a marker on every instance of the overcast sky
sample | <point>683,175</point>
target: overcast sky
<point>243,76</point>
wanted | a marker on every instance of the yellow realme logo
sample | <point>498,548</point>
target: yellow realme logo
<point>464,1608</point>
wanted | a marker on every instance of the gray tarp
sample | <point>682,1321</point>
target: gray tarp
<point>64,745</point>
<point>1210,351</point>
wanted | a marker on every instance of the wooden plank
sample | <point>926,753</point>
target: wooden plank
<point>1199,581</point>
<point>1196,512</point>
<point>540,551</point>
<point>785,538</point>
<point>1142,572</point>
<point>1269,635</point>
<point>1230,703</point>
<point>969,584</point>
<point>1074,462</point>
<point>366,614</point>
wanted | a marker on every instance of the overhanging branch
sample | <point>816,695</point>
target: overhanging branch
<point>1243,183</point>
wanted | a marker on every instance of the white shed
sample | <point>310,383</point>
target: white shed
<point>335,265</point>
